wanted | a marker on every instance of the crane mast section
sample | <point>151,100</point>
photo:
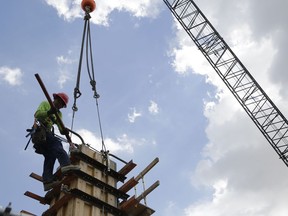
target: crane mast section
<point>260,108</point>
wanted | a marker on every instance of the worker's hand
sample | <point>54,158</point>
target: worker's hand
<point>52,111</point>
<point>73,147</point>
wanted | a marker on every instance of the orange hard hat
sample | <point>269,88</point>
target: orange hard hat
<point>64,97</point>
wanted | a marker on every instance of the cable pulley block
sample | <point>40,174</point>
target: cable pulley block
<point>88,5</point>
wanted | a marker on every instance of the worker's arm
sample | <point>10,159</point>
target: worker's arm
<point>63,131</point>
<point>41,112</point>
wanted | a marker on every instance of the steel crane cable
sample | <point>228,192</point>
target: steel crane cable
<point>91,74</point>
<point>93,82</point>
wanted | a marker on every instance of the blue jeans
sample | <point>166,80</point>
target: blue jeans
<point>53,150</point>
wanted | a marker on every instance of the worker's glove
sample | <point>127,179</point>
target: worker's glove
<point>52,111</point>
<point>73,147</point>
<point>53,119</point>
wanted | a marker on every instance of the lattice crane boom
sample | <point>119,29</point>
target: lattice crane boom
<point>260,108</point>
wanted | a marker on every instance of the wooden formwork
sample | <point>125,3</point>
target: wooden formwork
<point>85,195</point>
<point>92,190</point>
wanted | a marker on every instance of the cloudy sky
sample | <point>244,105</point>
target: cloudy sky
<point>158,98</point>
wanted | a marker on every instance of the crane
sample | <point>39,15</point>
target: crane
<point>259,107</point>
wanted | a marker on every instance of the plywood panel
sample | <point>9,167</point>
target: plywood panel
<point>76,206</point>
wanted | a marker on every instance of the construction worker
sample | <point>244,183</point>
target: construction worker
<point>47,144</point>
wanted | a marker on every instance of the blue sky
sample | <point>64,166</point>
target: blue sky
<point>158,98</point>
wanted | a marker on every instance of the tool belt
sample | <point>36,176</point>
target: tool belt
<point>39,139</point>
<point>38,136</point>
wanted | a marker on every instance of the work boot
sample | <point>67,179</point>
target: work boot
<point>49,185</point>
<point>69,167</point>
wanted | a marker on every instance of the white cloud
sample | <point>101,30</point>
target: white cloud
<point>67,9</point>
<point>11,75</point>
<point>232,206</point>
<point>238,164</point>
<point>65,67</point>
<point>122,143</point>
<point>133,115</point>
<point>71,9</point>
<point>187,57</point>
<point>171,209</point>
<point>220,188</point>
<point>153,108</point>
<point>64,60</point>
<point>240,167</point>
<point>63,78</point>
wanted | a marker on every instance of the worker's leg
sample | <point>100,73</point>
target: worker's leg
<point>51,153</point>
<point>49,161</point>
<point>48,178</point>
<point>58,151</point>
